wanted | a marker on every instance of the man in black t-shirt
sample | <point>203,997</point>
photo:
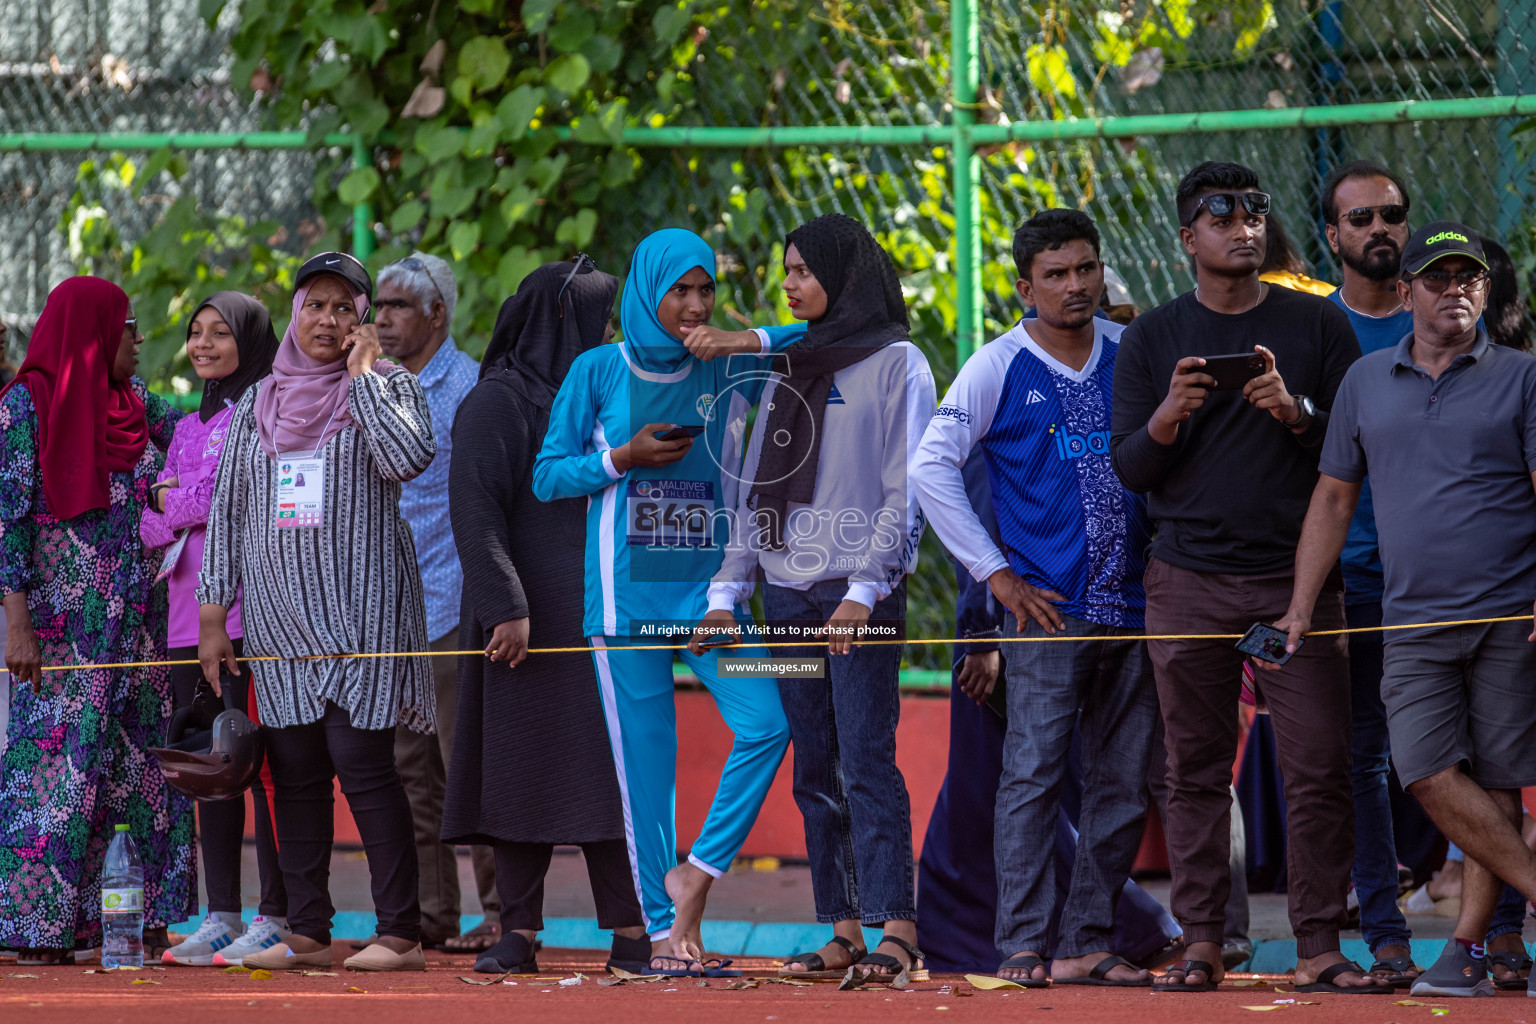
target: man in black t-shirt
<point>1228,472</point>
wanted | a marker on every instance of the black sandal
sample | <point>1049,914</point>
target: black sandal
<point>632,956</point>
<point>1185,969</point>
<point>1325,982</point>
<point>816,967</point>
<point>1394,970</point>
<point>1024,962</point>
<point>512,955</point>
<point>1514,962</point>
<point>882,968</point>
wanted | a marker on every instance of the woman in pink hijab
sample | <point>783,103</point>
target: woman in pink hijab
<point>328,568</point>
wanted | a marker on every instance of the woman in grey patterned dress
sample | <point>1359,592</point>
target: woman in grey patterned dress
<point>328,567</point>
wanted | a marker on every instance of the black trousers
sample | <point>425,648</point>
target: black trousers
<point>305,759</point>
<point>520,870</point>
<point>221,823</point>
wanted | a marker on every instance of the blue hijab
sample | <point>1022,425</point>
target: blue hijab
<point>660,260</point>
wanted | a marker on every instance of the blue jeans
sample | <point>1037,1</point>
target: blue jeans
<point>1375,870</point>
<point>1106,691</point>
<point>858,817</point>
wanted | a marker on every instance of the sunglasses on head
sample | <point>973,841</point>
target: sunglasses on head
<point>1438,281</point>
<point>415,263</point>
<point>1223,204</point>
<point>1365,216</point>
<point>579,260</point>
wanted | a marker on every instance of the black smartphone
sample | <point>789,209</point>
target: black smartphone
<point>678,433</point>
<point>718,640</point>
<point>1267,644</point>
<point>1232,372</point>
<point>997,700</point>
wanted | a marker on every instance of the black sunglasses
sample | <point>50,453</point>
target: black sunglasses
<point>1438,281</point>
<point>415,263</point>
<point>1365,216</point>
<point>1222,204</point>
<point>579,260</point>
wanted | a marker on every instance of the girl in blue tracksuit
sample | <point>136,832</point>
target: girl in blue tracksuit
<point>656,530</point>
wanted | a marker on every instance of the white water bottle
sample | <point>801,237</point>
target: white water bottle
<point>122,904</point>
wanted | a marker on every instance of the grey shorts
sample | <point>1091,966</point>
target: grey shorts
<point>1464,695</point>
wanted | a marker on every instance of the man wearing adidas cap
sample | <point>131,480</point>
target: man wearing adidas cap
<point>1445,425</point>
<point>1037,402</point>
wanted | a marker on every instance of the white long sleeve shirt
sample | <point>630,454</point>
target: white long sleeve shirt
<point>864,521</point>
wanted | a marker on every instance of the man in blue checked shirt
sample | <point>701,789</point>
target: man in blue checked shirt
<point>416,299</point>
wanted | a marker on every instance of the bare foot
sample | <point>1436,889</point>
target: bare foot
<point>305,944</point>
<point>394,943</point>
<point>1307,972</point>
<point>688,888</point>
<point>1081,966</point>
<point>1205,952</point>
<point>1019,973</point>
<point>1446,885</point>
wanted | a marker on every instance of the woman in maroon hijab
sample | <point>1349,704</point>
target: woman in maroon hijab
<point>81,440</point>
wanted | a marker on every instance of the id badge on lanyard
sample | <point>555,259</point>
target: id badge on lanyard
<point>300,490</point>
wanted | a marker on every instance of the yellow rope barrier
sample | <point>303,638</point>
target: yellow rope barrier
<point>805,643</point>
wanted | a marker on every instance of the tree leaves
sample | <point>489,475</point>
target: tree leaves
<point>568,73</point>
<point>484,60</point>
<point>358,185</point>
<point>669,21</point>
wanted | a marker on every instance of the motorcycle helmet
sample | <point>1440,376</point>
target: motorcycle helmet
<point>211,756</point>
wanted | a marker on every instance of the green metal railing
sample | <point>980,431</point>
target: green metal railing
<point>961,138</point>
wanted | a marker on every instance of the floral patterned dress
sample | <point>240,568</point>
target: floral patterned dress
<point>77,762</point>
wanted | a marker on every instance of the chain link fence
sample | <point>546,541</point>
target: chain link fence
<point>152,66</point>
<point>87,66</point>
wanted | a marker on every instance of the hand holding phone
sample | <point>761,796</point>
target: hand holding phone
<point>678,433</point>
<point>1232,373</point>
<point>362,348</point>
<point>1267,644</point>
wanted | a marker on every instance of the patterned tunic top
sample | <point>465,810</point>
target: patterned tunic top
<point>77,760</point>
<point>349,585</point>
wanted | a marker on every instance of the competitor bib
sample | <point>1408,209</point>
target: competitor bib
<point>669,513</point>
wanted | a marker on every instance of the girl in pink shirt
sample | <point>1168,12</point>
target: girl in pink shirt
<point>231,344</point>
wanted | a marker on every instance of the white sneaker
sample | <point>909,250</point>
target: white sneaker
<point>216,932</point>
<point>263,933</point>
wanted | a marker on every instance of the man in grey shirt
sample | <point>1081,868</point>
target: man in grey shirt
<point>1445,424</point>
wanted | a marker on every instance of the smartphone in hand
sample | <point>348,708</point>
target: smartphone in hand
<point>1233,372</point>
<point>1267,644</point>
<point>678,433</point>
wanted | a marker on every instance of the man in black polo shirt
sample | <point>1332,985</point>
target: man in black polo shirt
<point>1227,474</point>
<point>1445,424</point>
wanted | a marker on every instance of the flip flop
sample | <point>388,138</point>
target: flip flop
<point>1098,976</point>
<point>1394,970</point>
<point>816,966</point>
<point>479,939</point>
<point>1324,983</point>
<point>1024,962</point>
<point>1188,967</point>
<point>1514,962</point>
<point>715,967</point>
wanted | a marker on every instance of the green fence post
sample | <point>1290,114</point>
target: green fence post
<point>362,213</point>
<point>965,80</point>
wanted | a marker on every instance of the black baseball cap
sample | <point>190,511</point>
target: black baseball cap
<point>343,266</point>
<point>1441,238</point>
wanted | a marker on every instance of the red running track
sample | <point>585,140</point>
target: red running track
<point>70,995</point>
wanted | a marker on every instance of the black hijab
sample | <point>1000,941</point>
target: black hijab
<point>251,324</point>
<point>865,313</point>
<point>541,330</point>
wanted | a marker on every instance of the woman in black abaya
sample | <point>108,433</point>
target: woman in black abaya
<point>532,766</point>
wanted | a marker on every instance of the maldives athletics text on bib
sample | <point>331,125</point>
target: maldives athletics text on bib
<point>300,490</point>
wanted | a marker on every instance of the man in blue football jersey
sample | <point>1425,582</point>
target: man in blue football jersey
<point>1037,401</point>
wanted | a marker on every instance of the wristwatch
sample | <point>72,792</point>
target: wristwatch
<point>155,490</point>
<point>1306,410</point>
